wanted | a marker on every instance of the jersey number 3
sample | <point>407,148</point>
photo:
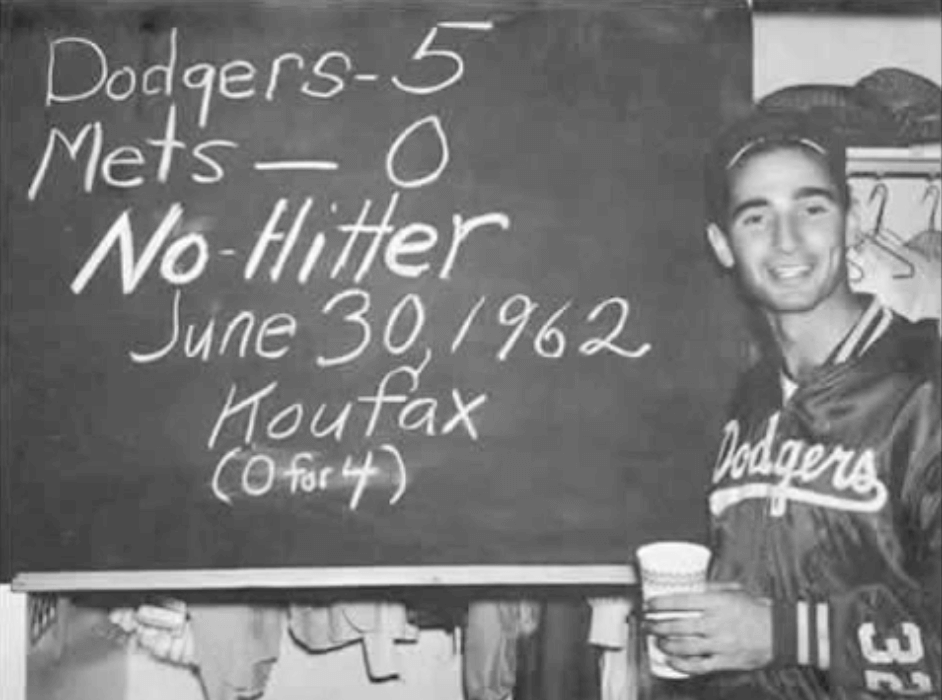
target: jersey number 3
<point>893,651</point>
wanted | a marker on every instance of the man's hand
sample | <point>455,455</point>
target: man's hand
<point>733,630</point>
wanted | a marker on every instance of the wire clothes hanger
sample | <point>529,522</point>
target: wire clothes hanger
<point>929,241</point>
<point>854,246</point>
<point>883,238</point>
<point>856,272</point>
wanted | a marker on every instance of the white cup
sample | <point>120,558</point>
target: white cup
<point>670,567</point>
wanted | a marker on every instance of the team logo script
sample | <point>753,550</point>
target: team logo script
<point>830,476</point>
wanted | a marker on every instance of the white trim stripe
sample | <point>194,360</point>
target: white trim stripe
<point>850,343</point>
<point>879,330</point>
<point>802,628</point>
<point>824,636</point>
<point>789,386</point>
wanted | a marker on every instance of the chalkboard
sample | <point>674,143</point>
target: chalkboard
<point>415,284</point>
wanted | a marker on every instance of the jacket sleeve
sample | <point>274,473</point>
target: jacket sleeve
<point>883,637</point>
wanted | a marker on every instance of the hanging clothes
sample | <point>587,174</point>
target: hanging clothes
<point>929,243</point>
<point>610,629</point>
<point>905,280</point>
<point>236,646</point>
<point>557,662</point>
<point>490,654</point>
<point>492,632</point>
<point>429,669</point>
<point>380,626</point>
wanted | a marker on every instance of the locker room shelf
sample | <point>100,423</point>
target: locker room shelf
<point>916,161</point>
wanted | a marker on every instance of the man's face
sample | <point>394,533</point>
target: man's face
<point>785,231</point>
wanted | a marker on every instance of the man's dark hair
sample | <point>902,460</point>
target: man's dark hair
<point>762,131</point>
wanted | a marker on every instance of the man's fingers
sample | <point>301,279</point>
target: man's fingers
<point>723,586</point>
<point>713,596</point>
<point>673,602</point>
<point>658,615</point>
<point>685,647</point>
<point>689,625</point>
<point>693,665</point>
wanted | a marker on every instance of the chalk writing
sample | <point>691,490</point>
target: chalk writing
<point>425,51</point>
<point>275,433</point>
<point>238,333</point>
<point>259,471</point>
<point>550,340</point>
<point>234,80</point>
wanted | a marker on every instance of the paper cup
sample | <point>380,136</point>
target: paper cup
<point>670,567</point>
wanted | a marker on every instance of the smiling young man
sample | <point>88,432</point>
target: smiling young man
<point>825,497</point>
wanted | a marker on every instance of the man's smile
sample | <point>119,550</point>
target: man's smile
<point>790,271</point>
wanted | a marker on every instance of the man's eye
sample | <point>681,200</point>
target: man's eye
<point>816,208</point>
<point>753,219</point>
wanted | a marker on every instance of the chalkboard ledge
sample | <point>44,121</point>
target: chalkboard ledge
<point>330,577</point>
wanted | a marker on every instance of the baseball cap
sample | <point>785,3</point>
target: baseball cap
<point>761,130</point>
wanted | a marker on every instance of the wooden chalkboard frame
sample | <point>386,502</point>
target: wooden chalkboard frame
<point>108,578</point>
<point>328,577</point>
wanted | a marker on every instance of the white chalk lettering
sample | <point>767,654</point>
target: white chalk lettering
<point>411,301</point>
<point>593,346</point>
<point>407,251</point>
<point>413,239</point>
<point>257,471</point>
<point>463,228</point>
<point>215,168</point>
<point>238,79</point>
<point>252,416</point>
<point>74,42</point>
<point>271,233</point>
<point>127,74</point>
<point>126,156</point>
<point>380,397</point>
<point>357,317</point>
<point>132,271</point>
<point>237,71</point>
<point>162,70</point>
<point>276,71</point>
<point>91,165</point>
<point>251,403</point>
<point>426,51</point>
<point>123,156</point>
<point>392,156</point>
<point>337,83</point>
<point>323,424</point>
<point>377,231</point>
<point>268,340</point>
<point>462,415</point>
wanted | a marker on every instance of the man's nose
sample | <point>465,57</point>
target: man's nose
<point>785,232</point>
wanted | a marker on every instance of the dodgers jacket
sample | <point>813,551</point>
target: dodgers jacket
<point>828,503</point>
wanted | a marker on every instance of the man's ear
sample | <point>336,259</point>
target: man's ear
<point>852,223</point>
<point>720,245</point>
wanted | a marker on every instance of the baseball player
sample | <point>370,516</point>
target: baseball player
<point>826,535</point>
